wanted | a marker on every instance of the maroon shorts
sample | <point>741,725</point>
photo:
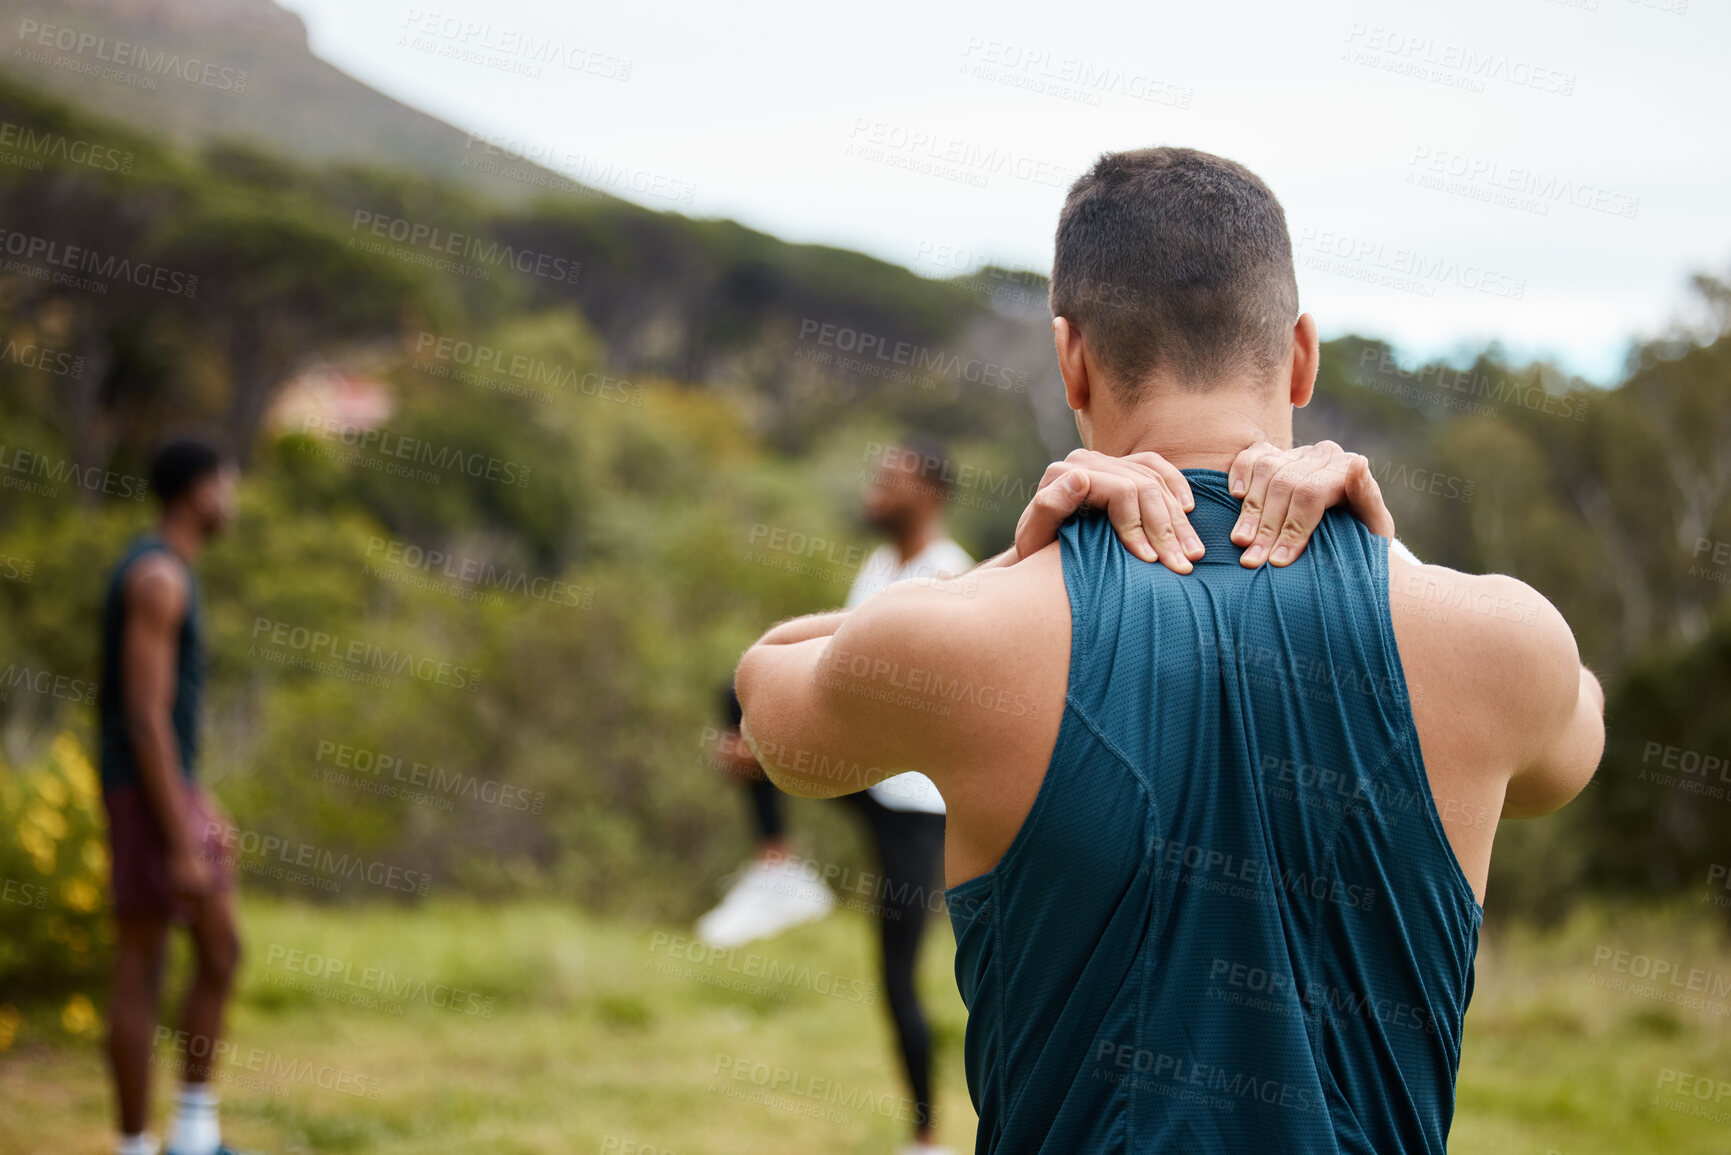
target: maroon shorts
<point>139,855</point>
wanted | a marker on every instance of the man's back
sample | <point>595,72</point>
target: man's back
<point>1231,916</point>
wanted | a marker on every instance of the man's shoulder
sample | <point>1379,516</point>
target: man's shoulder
<point>1487,639</point>
<point>156,581</point>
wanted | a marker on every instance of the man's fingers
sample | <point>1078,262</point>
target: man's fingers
<point>1238,477</point>
<point>1165,525</point>
<point>1056,499</point>
<point>1310,500</point>
<point>1364,495</point>
<point>1171,474</point>
<point>1276,498</point>
<point>1262,473</point>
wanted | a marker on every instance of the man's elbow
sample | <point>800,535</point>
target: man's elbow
<point>146,724</point>
<point>763,725</point>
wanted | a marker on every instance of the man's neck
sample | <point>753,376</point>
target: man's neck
<point>181,535</point>
<point>1195,430</point>
<point>914,541</point>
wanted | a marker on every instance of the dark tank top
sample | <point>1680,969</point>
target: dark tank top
<point>118,765</point>
<point>1231,921</point>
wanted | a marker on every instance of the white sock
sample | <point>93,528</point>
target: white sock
<point>195,1131</point>
<point>139,1144</point>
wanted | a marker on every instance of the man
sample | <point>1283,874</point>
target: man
<point>1218,840</point>
<point>164,831</point>
<point>906,500</point>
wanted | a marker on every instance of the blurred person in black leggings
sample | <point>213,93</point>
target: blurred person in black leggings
<point>905,498</point>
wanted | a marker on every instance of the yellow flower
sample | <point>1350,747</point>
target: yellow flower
<point>81,895</point>
<point>79,1017</point>
<point>38,845</point>
<point>80,775</point>
<point>51,790</point>
<point>52,822</point>
<point>8,1025</point>
<point>96,858</point>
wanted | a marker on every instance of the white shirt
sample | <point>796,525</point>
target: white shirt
<point>942,558</point>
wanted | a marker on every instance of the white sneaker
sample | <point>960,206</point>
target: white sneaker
<point>925,1149</point>
<point>768,898</point>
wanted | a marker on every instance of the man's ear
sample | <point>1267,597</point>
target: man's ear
<point>1306,359</point>
<point>1067,339</point>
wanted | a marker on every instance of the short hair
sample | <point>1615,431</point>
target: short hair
<point>1175,261</point>
<point>180,464</point>
<point>933,460</point>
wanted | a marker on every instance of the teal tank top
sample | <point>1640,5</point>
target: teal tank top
<point>1231,921</point>
<point>118,766</point>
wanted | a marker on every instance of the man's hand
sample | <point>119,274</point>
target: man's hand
<point>1285,491</point>
<point>1144,495</point>
<point>188,874</point>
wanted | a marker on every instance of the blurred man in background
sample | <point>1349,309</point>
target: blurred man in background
<point>164,830</point>
<point>905,499</point>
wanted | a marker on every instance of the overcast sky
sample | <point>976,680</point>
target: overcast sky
<point>1539,172</point>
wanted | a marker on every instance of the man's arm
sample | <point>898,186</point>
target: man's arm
<point>924,675</point>
<point>1499,690</point>
<point>156,605</point>
<point>1565,709</point>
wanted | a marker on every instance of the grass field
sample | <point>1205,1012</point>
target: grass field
<point>531,1029</point>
